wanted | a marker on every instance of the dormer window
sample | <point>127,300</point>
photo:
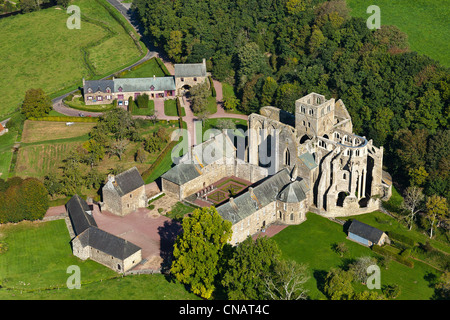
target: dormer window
<point>152,87</point>
<point>108,90</point>
<point>89,90</point>
<point>120,89</point>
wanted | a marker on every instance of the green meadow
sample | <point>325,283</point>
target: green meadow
<point>35,261</point>
<point>426,22</point>
<point>312,243</point>
<point>38,50</point>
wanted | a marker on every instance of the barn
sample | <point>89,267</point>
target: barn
<point>366,234</point>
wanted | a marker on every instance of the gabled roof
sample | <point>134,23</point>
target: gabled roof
<point>128,181</point>
<point>263,194</point>
<point>292,193</point>
<point>77,210</point>
<point>213,149</point>
<point>98,85</point>
<point>182,173</point>
<point>365,231</point>
<point>190,70</point>
<point>144,84</point>
<point>308,159</point>
<point>107,243</point>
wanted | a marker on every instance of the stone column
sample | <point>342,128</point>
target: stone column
<point>364,183</point>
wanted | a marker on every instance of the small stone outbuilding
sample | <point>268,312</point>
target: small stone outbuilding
<point>366,234</point>
<point>124,193</point>
<point>90,242</point>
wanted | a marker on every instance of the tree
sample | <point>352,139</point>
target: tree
<point>412,202</point>
<point>251,263</point>
<point>268,91</point>
<point>34,199</point>
<point>436,211</point>
<point>359,268</point>
<point>338,284</point>
<point>140,155</point>
<point>418,176</point>
<point>287,280</point>
<point>250,62</point>
<point>36,103</point>
<point>230,103</point>
<point>198,250</point>
<point>175,45</point>
<point>118,148</point>
<point>316,40</point>
<point>199,94</point>
<point>443,286</point>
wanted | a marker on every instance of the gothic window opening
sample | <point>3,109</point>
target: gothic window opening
<point>287,158</point>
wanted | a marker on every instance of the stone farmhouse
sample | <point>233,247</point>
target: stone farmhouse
<point>307,161</point>
<point>124,193</point>
<point>90,242</point>
<point>121,89</point>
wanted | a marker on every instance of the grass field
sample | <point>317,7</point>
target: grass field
<point>35,264</point>
<point>426,22</point>
<point>50,56</point>
<point>311,243</point>
<point>148,69</point>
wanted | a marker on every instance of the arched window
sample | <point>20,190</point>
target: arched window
<point>287,158</point>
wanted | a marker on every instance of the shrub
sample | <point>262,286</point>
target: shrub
<point>151,207</point>
<point>400,259</point>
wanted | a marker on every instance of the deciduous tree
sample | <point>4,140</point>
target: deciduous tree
<point>198,250</point>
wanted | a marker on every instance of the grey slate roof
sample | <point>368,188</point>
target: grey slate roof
<point>98,85</point>
<point>292,193</point>
<point>128,181</point>
<point>107,243</point>
<point>77,210</point>
<point>365,231</point>
<point>190,70</point>
<point>214,149</point>
<point>144,84</point>
<point>308,160</point>
<point>264,193</point>
<point>182,173</point>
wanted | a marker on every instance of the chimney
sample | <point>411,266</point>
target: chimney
<point>83,81</point>
<point>232,203</point>
<point>204,62</point>
<point>111,178</point>
<point>250,189</point>
<point>154,76</point>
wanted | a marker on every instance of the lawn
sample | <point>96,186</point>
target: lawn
<point>35,264</point>
<point>51,56</point>
<point>426,22</point>
<point>6,143</point>
<point>148,69</point>
<point>170,108</point>
<point>311,243</point>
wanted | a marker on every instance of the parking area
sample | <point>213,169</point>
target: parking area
<point>154,233</point>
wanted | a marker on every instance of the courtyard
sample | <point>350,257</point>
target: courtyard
<point>219,192</point>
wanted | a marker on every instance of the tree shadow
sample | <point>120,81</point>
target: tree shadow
<point>320,276</point>
<point>168,234</point>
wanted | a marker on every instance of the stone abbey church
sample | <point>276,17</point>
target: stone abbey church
<point>293,163</point>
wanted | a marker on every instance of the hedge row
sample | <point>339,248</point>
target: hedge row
<point>65,119</point>
<point>401,238</point>
<point>403,259</point>
<point>147,173</point>
<point>213,90</point>
<point>163,67</point>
